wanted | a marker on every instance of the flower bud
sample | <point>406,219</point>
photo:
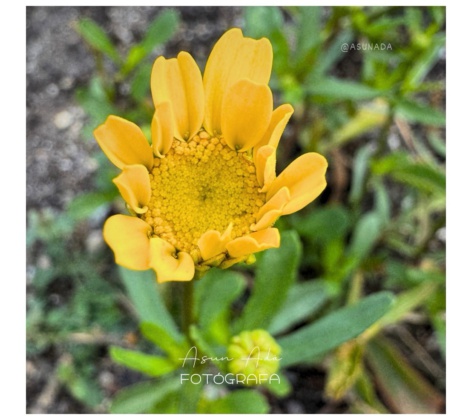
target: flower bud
<point>255,355</point>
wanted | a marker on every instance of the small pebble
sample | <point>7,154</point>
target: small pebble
<point>63,120</point>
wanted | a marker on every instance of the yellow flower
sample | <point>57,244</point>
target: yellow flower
<point>205,192</point>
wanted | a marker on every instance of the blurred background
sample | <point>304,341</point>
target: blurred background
<point>368,89</point>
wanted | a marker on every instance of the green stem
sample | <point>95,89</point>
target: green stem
<point>356,288</point>
<point>187,309</point>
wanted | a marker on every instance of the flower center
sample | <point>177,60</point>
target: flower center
<point>202,185</point>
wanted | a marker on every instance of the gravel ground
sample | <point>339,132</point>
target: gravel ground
<point>59,162</point>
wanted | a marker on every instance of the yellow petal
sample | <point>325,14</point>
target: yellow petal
<point>124,143</point>
<point>271,210</point>
<point>134,186</point>
<point>167,265</point>
<point>254,242</point>
<point>265,150</point>
<point>279,119</point>
<point>162,129</point>
<point>265,162</point>
<point>246,112</point>
<point>276,202</point>
<point>178,81</point>
<point>305,179</point>
<point>233,58</point>
<point>129,239</point>
<point>213,243</point>
<point>232,261</point>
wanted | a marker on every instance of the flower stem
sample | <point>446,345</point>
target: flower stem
<point>187,309</point>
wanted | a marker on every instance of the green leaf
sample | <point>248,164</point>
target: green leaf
<point>422,66</point>
<point>423,177</point>
<point>420,113</point>
<point>262,20</point>
<point>81,388</point>
<point>188,397</point>
<point>382,200</point>
<point>439,323</point>
<point>303,300</point>
<point>332,256</point>
<point>365,388</point>
<point>142,397</point>
<point>236,402</point>
<point>338,89</point>
<point>164,340</point>
<point>281,389</point>
<point>145,363</point>
<point>95,102</point>
<point>160,31</point>
<point>404,390</point>
<point>276,272</point>
<point>324,224</point>
<point>330,55</point>
<point>309,342</point>
<point>360,171</point>
<point>95,36</point>
<point>420,175</point>
<point>145,296</point>
<point>437,143</point>
<point>207,349</point>
<point>140,83</point>
<point>85,205</point>
<point>367,231</point>
<point>367,118</point>
<point>309,30</point>
<point>214,294</point>
<point>405,303</point>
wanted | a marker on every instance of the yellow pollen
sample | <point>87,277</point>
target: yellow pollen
<point>202,185</point>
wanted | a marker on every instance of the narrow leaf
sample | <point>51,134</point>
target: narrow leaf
<point>160,31</point>
<point>338,89</point>
<point>404,303</point>
<point>237,402</point>
<point>95,36</point>
<point>214,294</point>
<point>303,300</point>
<point>422,66</point>
<point>145,363</point>
<point>421,113</point>
<point>334,329</point>
<point>367,118</point>
<point>164,340</point>
<point>309,30</point>
<point>276,272</point>
<point>144,294</point>
<point>262,20</point>
<point>142,397</point>
<point>140,84</point>
<point>360,171</point>
<point>281,389</point>
<point>324,224</point>
<point>401,386</point>
<point>85,205</point>
<point>217,355</point>
<point>367,232</point>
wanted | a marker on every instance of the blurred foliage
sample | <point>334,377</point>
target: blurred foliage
<point>377,113</point>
